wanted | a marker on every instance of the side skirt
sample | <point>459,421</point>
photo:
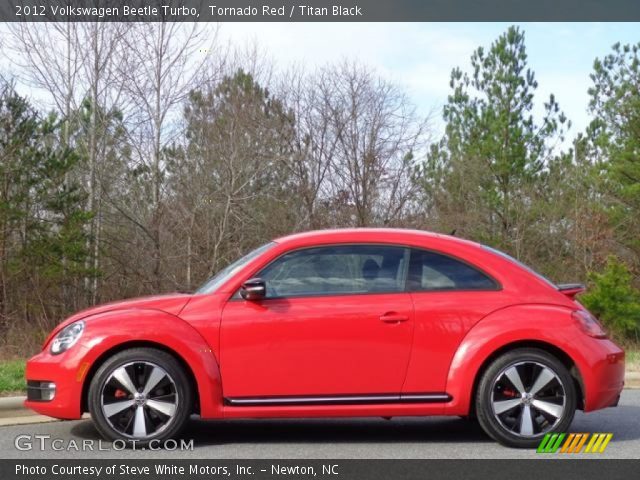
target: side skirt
<point>292,401</point>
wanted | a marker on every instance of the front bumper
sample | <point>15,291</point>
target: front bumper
<point>54,383</point>
<point>40,391</point>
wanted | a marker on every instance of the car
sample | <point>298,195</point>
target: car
<point>338,323</point>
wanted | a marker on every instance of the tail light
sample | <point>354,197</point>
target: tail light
<point>589,324</point>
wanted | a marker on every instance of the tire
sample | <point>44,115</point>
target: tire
<point>140,395</point>
<point>502,406</point>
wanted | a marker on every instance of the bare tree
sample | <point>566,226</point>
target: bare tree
<point>99,57</point>
<point>74,63</point>
<point>313,146</point>
<point>378,135</point>
<point>229,180</point>
<point>49,57</point>
<point>162,62</point>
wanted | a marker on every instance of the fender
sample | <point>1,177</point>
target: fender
<point>146,325</point>
<point>551,324</point>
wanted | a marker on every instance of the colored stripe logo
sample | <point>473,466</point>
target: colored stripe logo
<point>574,443</point>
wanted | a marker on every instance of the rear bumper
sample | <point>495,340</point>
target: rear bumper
<point>604,378</point>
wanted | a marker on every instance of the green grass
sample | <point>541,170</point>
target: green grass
<point>12,377</point>
<point>632,359</point>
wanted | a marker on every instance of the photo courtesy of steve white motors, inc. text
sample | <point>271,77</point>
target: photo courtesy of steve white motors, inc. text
<point>186,12</point>
<point>173,469</point>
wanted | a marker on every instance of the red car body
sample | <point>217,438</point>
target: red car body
<point>428,348</point>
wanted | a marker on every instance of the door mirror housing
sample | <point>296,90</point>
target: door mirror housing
<point>253,289</point>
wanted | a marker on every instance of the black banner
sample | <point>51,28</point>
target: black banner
<point>542,468</point>
<point>318,10</point>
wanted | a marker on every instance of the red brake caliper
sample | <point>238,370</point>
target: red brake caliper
<point>120,394</point>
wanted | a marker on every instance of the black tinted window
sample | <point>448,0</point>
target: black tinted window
<point>432,271</point>
<point>342,269</point>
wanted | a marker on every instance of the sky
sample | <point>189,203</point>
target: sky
<point>420,56</point>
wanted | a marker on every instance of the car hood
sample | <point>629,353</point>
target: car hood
<point>172,303</point>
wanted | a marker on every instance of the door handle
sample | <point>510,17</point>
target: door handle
<point>393,317</point>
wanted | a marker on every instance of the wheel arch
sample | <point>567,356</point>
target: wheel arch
<point>116,331</point>
<point>547,327</point>
<point>104,356</point>
<point>550,348</point>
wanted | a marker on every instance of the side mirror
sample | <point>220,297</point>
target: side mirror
<point>253,289</point>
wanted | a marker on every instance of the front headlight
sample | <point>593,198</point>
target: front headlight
<point>67,337</point>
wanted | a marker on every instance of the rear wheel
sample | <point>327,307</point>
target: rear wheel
<point>140,395</point>
<point>523,395</point>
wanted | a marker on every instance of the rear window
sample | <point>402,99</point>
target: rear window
<point>430,271</point>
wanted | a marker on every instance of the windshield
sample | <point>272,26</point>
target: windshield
<point>226,273</point>
<point>520,264</point>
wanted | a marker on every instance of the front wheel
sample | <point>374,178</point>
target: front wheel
<point>523,395</point>
<point>141,395</point>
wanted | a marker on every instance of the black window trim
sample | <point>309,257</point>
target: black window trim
<point>498,287</point>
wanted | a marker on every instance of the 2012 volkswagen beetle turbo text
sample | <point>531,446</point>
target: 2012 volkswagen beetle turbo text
<point>362,322</point>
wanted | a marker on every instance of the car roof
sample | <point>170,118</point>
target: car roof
<point>508,273</point>
<point>369,235</point>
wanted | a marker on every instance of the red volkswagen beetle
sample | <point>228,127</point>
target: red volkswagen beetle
<point>339,323</point>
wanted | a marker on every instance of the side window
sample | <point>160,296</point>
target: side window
<point>339,269</point>
<point>432,271</point>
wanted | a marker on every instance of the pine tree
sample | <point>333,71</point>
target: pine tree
<point>615,136</point>
<point>481,176</point>
<point>42,220</point>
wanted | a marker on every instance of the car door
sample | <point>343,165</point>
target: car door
<point>335,321</point>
